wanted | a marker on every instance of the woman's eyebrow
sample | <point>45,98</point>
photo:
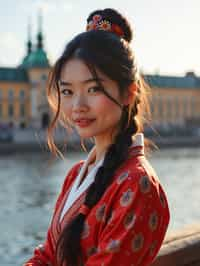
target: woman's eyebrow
<point>62,82</point>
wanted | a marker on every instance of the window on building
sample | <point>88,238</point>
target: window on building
<point>1,110</point>
<point>22,110</point>
<point>185,106</point>
<point>176,107</point>
<point>193,102</point>
<point>169,105</point>
<point>44,77</point>
<point>152,104</point>
<point>154,107</point>
<point>22,95</point>
<point>10,110</point>
<point>160,107</point>
<point>10,95</point>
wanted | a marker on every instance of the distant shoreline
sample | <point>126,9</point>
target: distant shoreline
<point>177,142</point>
<point>162,143</point>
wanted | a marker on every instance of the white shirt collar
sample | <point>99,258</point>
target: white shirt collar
<point>138,140</point>
<point>77,188</point>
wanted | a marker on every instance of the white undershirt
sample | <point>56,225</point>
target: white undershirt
<point>76,190</point>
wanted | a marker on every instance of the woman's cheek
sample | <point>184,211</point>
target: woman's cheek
<point>102,103</point>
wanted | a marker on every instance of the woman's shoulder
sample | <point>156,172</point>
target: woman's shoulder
<point>138,175</point>
<point>136,184</point>
<point>132,171</point>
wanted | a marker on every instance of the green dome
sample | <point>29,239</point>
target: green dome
<point>25,61</point>
<point>37,58</point>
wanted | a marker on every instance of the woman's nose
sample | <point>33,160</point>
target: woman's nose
<point>80,103</point>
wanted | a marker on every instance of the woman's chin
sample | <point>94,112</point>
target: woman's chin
<point>85,135</point>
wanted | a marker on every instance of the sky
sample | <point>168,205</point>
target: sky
<point>166,33</point>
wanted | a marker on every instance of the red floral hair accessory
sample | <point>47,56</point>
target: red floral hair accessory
<point>84,210</point>
<point>98,23</point>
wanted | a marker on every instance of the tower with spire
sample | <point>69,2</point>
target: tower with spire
<point>29,46</point>
<point>23,101</point>
<point>37,57</point>
<point>37,66</point>
<point>39,35</point>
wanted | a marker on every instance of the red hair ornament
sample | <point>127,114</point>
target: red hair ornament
<point>98,23</point>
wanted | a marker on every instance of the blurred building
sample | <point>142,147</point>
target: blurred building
<point>175,100</point>
<point>22,89</point>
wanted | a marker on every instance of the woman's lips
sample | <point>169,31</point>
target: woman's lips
<point>84,122</point>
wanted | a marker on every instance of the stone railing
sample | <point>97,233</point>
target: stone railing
<point>180,248</point>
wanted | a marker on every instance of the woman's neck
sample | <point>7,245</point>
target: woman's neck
<point>100,148</point>
<point>102,143</point>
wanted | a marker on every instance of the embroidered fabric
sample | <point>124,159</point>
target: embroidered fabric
<point>78,188</point>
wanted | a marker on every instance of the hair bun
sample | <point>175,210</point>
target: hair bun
<point>114,17</point>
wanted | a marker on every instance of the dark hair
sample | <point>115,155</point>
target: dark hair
<point>113,56</point>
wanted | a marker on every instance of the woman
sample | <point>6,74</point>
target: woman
<point>112,209</point>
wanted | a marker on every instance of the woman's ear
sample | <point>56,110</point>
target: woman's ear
<point>131,94</point>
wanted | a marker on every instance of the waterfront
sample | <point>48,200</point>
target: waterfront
<point>30,182</point>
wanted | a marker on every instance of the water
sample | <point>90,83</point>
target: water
<point>29,185</point>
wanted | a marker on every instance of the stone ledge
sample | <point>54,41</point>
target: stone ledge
<point>180,248</point>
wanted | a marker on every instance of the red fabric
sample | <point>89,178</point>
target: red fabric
<point>126,227</point>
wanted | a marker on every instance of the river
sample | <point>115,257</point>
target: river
<point>30,182</point>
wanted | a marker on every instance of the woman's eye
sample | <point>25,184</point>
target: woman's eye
<point>66,92</point>
<point>94,89</point>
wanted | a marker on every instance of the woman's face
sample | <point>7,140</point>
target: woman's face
<point>91,112</point>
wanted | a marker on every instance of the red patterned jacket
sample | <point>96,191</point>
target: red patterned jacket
<point>126,227</point>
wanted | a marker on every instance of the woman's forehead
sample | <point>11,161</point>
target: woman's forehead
<point>77,71</point>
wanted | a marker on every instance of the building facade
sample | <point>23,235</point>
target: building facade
<point>23,100</point>
<point>175,101</point>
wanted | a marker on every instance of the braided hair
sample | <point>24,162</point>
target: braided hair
<point>114,57</point>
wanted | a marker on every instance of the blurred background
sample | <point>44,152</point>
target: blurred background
<point>32,36</point>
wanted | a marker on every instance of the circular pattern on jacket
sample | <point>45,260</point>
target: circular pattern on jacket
<point>137,242</point>
<point>113,246</point>
<point>122,177</point>
<point>86,230</point>
<point>153,221</point>
<point>126,198</point>
<point>100,213</point>
<point>145,185</point>
<point>129,220</point>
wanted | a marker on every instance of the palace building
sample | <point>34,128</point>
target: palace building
<point>175,100</point>
<point>22,89</point>
<point>23,103</point>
